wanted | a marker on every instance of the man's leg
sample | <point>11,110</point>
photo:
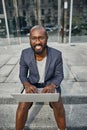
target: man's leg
<point>59,114</point>
<point>21,115</point>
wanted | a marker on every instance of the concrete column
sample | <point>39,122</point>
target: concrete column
<point>70,24</point>
<point>6,22</point>
<point>16,19</point>
<point>59,20</point>
<point>65,18</point>
<point>38,11</point>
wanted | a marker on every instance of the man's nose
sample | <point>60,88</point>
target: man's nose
<point>37,40</point>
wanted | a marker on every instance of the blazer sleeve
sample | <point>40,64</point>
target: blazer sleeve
<point>23,71</point>
<point>58,74</point>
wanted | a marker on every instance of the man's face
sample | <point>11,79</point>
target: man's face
<point>38,40</point>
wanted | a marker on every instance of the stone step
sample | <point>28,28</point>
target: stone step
<point>79,99</point>
<point>76,117</point>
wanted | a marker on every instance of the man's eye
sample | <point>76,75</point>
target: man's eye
<point>41,37</point>
<point>33,38</point>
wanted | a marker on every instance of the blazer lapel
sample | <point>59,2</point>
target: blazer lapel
<point>33,66</point>
<point>48,62</point>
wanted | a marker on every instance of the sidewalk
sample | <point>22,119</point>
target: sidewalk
<point>74,89</point>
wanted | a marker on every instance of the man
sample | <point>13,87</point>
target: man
<point>41,67</point>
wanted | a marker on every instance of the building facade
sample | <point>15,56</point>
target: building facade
<point>23,14</point>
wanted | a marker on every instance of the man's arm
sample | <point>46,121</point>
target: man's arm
<point>58,74</point>
<point>23,76</point>
<point>23,71</point>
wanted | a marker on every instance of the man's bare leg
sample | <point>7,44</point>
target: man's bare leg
<point>59,114</point>
<point>21,115</point>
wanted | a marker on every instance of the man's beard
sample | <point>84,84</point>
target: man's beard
<point>39,52</point>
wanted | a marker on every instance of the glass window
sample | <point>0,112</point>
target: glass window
<point>49,10</point>
<point>24,13</point>
<point>23,2</point>
<point>10,12</point>
<point>10,3</point>
<point>49,1</point>
<point>42,1</point>
<point>42,11</point>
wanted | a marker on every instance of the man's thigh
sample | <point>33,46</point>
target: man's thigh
<point>24,106</point>
<point>57,104</point>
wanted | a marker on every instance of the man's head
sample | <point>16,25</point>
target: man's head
<point>38,39</point>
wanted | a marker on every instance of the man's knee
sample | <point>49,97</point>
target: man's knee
<point>56,104</point>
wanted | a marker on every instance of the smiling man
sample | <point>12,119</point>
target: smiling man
<point>41,67</point>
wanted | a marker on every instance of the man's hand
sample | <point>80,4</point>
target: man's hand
<point>29,88</point>
<point>49,88</point>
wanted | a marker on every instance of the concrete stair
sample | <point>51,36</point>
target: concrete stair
<point>41,116</point>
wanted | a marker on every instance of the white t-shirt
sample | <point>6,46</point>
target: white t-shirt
<point>41,69</point>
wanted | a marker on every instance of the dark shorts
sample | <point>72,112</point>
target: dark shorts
<point>41,85</point>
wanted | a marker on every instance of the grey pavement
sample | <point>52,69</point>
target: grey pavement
<point>74,89</point>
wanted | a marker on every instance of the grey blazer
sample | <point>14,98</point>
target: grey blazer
<point>53,69</point>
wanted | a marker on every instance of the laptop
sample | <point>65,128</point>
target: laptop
<point>36,97</point>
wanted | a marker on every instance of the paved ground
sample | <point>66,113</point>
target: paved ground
<point>74,89</point>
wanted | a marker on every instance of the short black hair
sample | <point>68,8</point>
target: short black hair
<point>39,27</point>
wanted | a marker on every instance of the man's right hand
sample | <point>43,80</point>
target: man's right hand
<point>29,88</point>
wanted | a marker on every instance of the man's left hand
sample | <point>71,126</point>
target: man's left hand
<point>49,88</point>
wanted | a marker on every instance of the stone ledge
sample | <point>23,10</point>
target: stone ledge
<point>41,117</point>
<point>67,99</point>
<point>49,128</point>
